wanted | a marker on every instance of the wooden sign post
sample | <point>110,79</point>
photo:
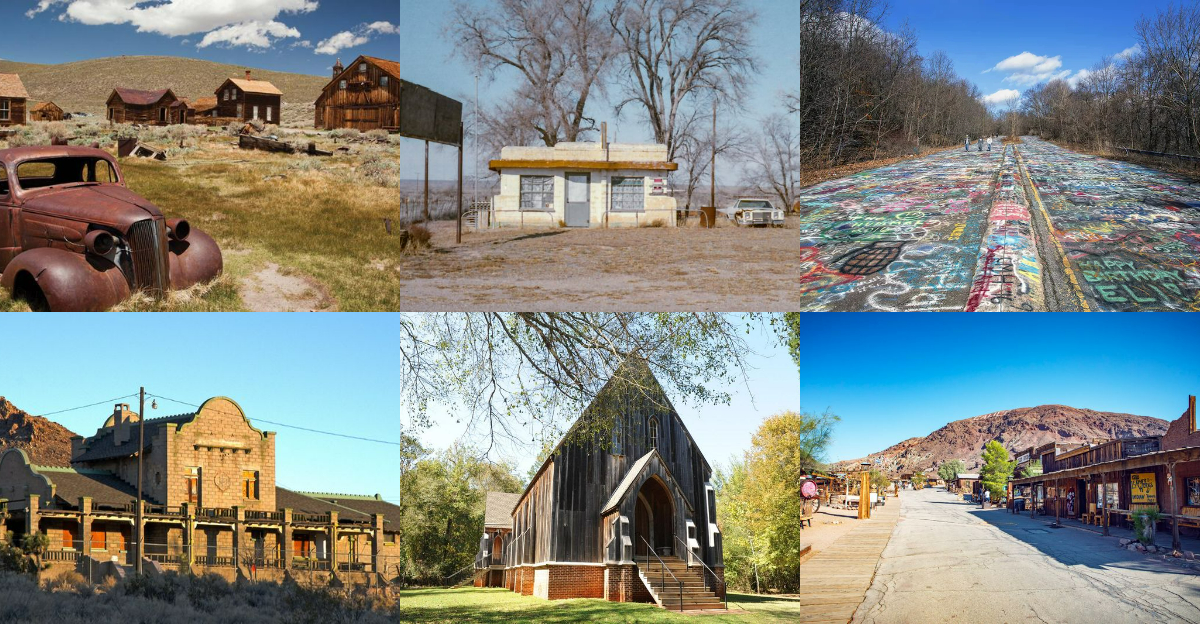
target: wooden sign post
<point>864,497</point>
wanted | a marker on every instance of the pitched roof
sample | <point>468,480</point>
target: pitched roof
<point>391,67</point>
<point>497,511</point>
<point>12,87</point>
<point>622,489</point>
<point>305,503</point>
<point>366,505</point>
<point>205,103</point>
<point>103,446</point>
<point>102,486</point>
<point>40,106</point>
<point>970,475</point>
<point>256,86</point>
<point>139,97</point>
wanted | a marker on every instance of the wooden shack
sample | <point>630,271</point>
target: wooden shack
<point>205,107</point>
<point>182,112</point>
<point>45,111</point>
<point>138,106</point>
<point>248,99</point>
<point>623,494</point>
<point>13,97</point>
<point>363,96</point>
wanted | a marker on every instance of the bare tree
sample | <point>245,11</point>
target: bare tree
<point>561,48</point>
<point>676,49</point>
<point>773,160</point>
<point>696,147</point>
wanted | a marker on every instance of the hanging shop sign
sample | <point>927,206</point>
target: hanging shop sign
<point>1141,488</point>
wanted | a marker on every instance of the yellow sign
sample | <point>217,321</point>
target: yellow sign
<point>1141,488</point>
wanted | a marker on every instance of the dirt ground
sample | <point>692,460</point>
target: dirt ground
<point>684,268</point>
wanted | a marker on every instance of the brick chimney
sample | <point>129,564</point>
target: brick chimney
<point>247,74</point>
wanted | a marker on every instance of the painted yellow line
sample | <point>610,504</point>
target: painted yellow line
<point>1054,239</point>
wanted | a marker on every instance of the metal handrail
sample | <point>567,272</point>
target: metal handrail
<point>724,592</point>
<point>663,568</point>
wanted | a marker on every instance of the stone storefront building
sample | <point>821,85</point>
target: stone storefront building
<point>209,497</point>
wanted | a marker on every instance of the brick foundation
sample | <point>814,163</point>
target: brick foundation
<point>720,572</point>
<point>622,584</point>
<point>554,582</point>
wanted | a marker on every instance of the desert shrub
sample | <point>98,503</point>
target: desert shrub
<point>349,134</point>
<point>162,587</point>
<point>58,130</point>
<point>269,129</point>
<point>418,237</point>
<point>657,223</point>
<point>1143,525</point>
<point>382,171</point>
<point>233,128</point>
<point>29,135</point>
<point>124,131</point>
<point>307,163</point>
<point>67,581</point>
<point>394,139</point>
<point>376,135</point>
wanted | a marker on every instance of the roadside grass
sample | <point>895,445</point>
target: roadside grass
<point>316,217</point>
<point>501,605</point>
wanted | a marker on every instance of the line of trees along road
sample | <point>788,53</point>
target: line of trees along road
<point>1148,100</point>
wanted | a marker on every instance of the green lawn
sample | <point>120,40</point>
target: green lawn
<point>470,604</point>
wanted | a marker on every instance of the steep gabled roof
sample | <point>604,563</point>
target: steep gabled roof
<point>12,87</point>
<point>390,67</point>
<point>41,106</point>
<point>497,511</point>
<point>139,97</point>
<point>622,490</point>
<point>260,87</point>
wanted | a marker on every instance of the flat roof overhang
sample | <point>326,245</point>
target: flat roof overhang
<point>602,165</point>
<point>1149,460</point>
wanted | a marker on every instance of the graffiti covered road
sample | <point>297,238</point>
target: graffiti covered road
<point>902,237</point>
<point>1130,235</point>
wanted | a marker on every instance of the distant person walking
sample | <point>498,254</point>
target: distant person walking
<point>987,498</point>
<point>967,145</point>
<point>989,144</point>
<point>979,145</point>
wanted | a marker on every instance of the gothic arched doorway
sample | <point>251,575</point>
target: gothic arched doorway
<point>654,519</point>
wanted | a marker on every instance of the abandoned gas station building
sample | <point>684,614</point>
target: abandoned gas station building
<point>210,501</point>
<point>583,185</point>
<point>1105,483</point>
<point>622,509</point>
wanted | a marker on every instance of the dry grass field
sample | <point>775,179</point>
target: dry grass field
<point>297,232</point>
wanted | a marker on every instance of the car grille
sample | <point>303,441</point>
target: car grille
<point>147,242</point>
<point>760,216</point>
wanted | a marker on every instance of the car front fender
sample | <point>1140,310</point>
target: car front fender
<point>71,282</point>
<point>195,260</point>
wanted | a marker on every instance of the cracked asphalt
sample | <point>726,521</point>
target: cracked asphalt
<point>949,561</point>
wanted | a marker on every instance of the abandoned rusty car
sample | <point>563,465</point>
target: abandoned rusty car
<point>73,237</point>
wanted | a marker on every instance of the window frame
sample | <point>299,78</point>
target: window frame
<point>544,192</point>
<point>652,433</point>
<point>618,197</point>
<point>383,81</point>
<point>5,109</point>
<point>342,85</point>
<point>1191,486</point>
<point>250,480</point>
<point>191,476</point>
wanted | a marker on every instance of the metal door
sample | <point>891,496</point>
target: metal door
<point>578,208</point>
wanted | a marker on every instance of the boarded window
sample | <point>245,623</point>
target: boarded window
<point>628,194</point>
<point>269,113</point>
<point>68,539</point>
<point>99,541</point>
<point>5,110</point>
<point>537,192</point>
<point>302,547</point>
<point>250,484</point>
<point>192,484</point>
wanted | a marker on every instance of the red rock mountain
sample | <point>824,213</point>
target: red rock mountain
<point>46,442</point>
<point>1016,429</point>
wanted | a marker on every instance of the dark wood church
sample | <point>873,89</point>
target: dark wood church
<point>622,509</point>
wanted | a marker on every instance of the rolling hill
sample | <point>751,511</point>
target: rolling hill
<point>85,85</point>
<point>46,442</point>
<point>1016,429</point>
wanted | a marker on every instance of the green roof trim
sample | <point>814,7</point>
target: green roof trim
<point>83,471</point>
<point>374,497</point>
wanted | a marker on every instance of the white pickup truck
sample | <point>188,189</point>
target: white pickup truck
<point>754,211</point>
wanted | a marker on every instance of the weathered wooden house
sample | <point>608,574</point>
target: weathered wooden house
<point>142,107</point>
<point>205,107</point>
<point>364,96</point>
<point>497,530</point>
<point>622,509</point>
<point>182,112</point>
<point>45,111</point>
<point>248,99</point>
<point>13,97</point>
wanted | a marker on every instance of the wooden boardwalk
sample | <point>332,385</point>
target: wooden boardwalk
<point>834,582</point>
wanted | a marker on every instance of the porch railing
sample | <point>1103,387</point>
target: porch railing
<point>663,572</point>
<point>708,572</point>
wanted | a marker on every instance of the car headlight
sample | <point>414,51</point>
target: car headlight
<point>99,242</point>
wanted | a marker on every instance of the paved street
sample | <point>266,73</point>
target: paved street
<point>968,231</point>
<point>949,561</point>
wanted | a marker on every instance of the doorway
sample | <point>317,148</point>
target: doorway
<point>578,212</point>
<point>654,519</point>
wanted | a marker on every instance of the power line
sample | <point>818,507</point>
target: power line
<point>279,424</point>
<point>72,409</point>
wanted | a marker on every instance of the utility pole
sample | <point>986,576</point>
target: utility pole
<point>712,167</point>
<point>426,215</point>
<point>140,529</point>
<point>475,144</point>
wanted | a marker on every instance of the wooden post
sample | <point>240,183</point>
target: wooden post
<point>1057,503</point>
<point>458,232</point>
<point>426,180</point>
<point>864,497</point>
<point>1174,507</point>
<point>1104,497</point>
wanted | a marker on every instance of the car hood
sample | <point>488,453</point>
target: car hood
<point>107,204</point>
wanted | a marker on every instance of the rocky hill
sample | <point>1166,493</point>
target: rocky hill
<point>46,442</point>
<point>85,85</point>
<point>1016,429</point>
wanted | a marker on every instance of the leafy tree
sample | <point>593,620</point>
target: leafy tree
<point>1033,469</point>
<point>24,557</point>
<point>918,480</point>
<point>949,470</point>
<point>997,469</point>
<point>879,481</point>
<point>740,542</point>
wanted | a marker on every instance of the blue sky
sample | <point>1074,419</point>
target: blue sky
<point>333,372</point>
<point>302,36</point>
<point>891,377</point>
<point>427,58</point>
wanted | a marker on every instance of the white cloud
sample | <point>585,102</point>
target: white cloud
<point>1027,68</point>
<point>351,38</point>
<point>1001,96</point>
<point>249,34</point>
<point>236,22</point>
<point>1129,52</point>
<point>1079,77</point>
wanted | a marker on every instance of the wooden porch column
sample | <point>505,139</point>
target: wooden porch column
<point>1104,497</point>
<point>32,516</point>
<point>333,539</point>
<point>189,533</point>
<point>1174,507</point>
<point>377,541</point>
<point>1057,505</point>
<point>1032,500</point>
<point>239,516</point>
<point>285,549</point>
